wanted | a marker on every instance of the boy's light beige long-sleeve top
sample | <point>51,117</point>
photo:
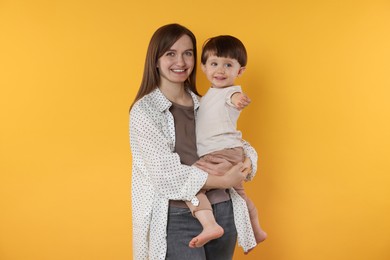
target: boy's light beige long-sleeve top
<point>158,176</point>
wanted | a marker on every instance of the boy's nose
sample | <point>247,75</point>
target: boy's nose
<point>221,69</point>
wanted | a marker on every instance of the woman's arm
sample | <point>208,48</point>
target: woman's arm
<point>214,165</point>
<point>152,154</point>
<point>250,153</point>
<point>231,178</point>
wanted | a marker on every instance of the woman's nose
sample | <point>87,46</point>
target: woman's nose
<point>180,60</point>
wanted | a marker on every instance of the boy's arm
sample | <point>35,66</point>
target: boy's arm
<point>239,100</point>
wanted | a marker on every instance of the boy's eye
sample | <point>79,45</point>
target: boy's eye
<point>213,64</point>
<point>228,65</point>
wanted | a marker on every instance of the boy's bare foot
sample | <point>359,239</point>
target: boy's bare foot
<point>260,236</point>
<point>259,233</point>
<point>209,233</point>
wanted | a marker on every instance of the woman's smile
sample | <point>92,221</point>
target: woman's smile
<point>176,64</point>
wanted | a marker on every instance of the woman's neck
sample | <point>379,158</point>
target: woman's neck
<point>176,94</point>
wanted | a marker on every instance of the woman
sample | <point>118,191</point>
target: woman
<point>162,139</point>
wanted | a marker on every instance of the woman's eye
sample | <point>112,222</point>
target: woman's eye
<point>171,54</point>
<point>189,53</point>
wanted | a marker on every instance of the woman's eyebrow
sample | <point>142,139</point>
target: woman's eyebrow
<point>184,50</point>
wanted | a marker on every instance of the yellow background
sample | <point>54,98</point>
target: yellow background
<point>318,75</point>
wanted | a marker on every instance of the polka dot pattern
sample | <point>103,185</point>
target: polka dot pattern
<point>158,176</point>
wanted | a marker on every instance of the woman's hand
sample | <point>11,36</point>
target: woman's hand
<point>214,165</point>
<point>247,166</point>
<point>234,177</point>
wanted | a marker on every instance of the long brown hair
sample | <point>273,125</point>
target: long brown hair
<point>161,41</point>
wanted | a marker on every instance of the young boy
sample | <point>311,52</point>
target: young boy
<point>223,60</point>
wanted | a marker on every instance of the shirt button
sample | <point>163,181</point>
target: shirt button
<point>195,201</point>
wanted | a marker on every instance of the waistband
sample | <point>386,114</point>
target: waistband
<point>214,196</point>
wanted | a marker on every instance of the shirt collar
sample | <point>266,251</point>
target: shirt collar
<point>164,104</point>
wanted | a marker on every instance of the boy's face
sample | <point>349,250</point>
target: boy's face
<point>222,72</point>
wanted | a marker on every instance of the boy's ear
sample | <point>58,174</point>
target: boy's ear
<point>241,71</point>
<point>203,67</point>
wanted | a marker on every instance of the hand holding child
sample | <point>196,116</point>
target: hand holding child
<point>214,165</point>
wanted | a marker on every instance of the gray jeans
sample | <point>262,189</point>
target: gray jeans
<point>182,227</point>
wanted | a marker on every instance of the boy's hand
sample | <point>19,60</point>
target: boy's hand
<point>240,100</point>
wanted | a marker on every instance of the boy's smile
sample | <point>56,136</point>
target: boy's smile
<point>222,71</point>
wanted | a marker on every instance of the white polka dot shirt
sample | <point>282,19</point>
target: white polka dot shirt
<point>158,176</point>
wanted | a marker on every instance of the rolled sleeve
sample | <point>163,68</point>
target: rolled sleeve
<point>251,153</point>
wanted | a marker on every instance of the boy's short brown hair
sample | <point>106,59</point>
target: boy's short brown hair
<point>224,46</point>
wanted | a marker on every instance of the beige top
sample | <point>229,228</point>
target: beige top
<point>216,125</point>
<point>158,176</point>
<point>185,146</point>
